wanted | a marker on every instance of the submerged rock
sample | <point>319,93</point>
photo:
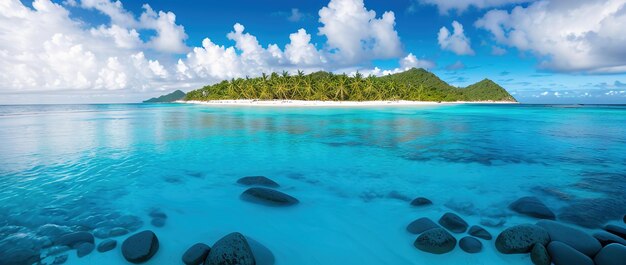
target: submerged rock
<point>107,245</point>
<point>539,255</point>
<point>562,254</point>
<point>157,213</point>
<point>420,225</point>
<point>262,255</point>
<point>73,239</point>
<point>398,196</point>
<point>158,222</point>
<point>479,232</point>
<point>612,254</point>
<point>606,238</point>
<point>521,239</point>
<point>106,232</point>
<point>573,237</point>
<point>229,250</point>
<point>258,181</point>
<point>196,254</point>
<point>470,244</point>
<point>616,230</point>
<point>493,221</point>
<point>461,206</point>
<point>453,223</point>
<point>436,241</point>
<point>84,249</point>
<point>533,207</point>
<point>140,247</point>
<point>268,197</point>
<point>421,201</point>
<point>60,259</point>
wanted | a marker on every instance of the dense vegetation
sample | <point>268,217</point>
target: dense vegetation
<point>414,84</point>
<point>171,97</point>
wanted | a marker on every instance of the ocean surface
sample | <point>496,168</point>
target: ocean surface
<point>354,170</point>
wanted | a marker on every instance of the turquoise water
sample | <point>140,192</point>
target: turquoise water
<point>353,170</point>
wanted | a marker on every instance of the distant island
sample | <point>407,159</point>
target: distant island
<point>171,97</point>
<point>416,85</point>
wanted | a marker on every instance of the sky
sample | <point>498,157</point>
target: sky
<point>105,51</point>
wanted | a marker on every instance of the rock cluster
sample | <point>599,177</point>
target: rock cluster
<point>263,195</point>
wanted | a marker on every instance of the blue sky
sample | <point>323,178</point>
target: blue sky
<point>111,51</point>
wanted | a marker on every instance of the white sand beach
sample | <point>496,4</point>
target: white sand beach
<point>315,103</point>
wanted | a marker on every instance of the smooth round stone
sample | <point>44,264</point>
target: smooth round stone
<point>606,238</point>
<point>267,196</point>
<point>480,232</point>
<point>436,241</point>
<point>470,244</point>
<point>229,250</point>
<point>60,259</point>
<point>453,223</point>
<point>196,254</point>
<point>107,245</point>
<point>140,247</point>
<point>562,254</point>
<point>84,249</point>
<point>533,207</point>
<point>521,239</point>
<point>157,213</point>
<point>539,255</point>
<point>73,239</point>
<point>158,222</point>
<point>573,237</point>
<point>262,255</point>
<point>612,254</point>
<point>421,201</point>
<point>258,181</point>
<point>420,225</point>
<point>616,230</point>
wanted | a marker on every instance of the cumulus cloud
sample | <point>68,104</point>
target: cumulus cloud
<point>567,36</point>
<point>455,41</point>
<point>45,48</point>
<point>355,34</point>
<point>445,6</point>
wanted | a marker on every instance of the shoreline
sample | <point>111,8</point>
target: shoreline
<point>316,103</point>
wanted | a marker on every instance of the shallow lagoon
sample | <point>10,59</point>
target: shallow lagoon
<point>353,170</point>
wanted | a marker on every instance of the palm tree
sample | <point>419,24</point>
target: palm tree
<point>341,90</point>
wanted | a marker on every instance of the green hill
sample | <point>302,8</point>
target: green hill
<point>171,97</point>
<point>414,84</point>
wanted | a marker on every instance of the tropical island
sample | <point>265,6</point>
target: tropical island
<point>414,85</point>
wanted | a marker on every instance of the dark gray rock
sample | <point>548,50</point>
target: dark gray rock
<point>140,247</point>
<point>521,239</point>
<point>533,207</point>
<point>158,222</point>
<point>573,237</point>
<point>196,254</point>
<point>107,245</point>
<point>262,255</point>
<point>539,255</point>
<point>616,230</point>
<point>258,181</point>
<point>562,254</point>
<point>612,254</point>
<point>19,256</point>
<point>480,232</point>
<point>157,213</point>
<point>229,250</point>
<point>268,197</point>
<point>60,259</point>
<point>420,225</point>
<point>470,244</point>
<point>453,223</point>
<point>436,241</point>
<point>606,238</point>
<point>84,249</point>
<point>73,239</point>
<point>421,201</point>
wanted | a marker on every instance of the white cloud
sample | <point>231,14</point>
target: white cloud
<point>355,34</point>
<point>456,41</point>
<point>295,15</point>
<point>45,49</point>
<point>460,6</point>
<point>497,51</point>
<point>568,36</point>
